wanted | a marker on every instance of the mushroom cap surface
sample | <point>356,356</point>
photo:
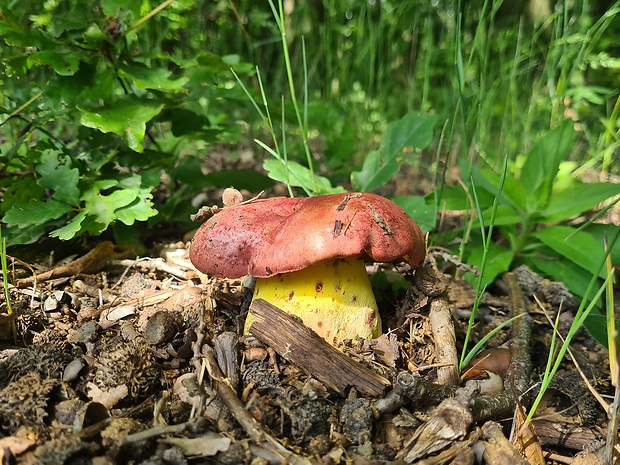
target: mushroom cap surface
<point>266,237</point>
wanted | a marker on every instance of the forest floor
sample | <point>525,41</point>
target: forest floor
<point>109,358</point>
<point>116,361</point>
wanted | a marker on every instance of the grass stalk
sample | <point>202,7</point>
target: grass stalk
<point>614,367</point>
<point>301,120</point>
<point>265,116</point>
<point>5,283</point>
<point>486,240</point>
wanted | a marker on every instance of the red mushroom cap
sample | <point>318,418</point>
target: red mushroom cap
<point>279,235</point>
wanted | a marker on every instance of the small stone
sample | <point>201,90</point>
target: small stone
<point>162,327</point>
<point>72,370</point>
<point>61,299</point>
<point>66,411</point>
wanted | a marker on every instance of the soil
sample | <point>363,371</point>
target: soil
<point>109,358</point>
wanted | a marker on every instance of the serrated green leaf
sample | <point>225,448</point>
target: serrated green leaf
<point>22,236</point>
<point>141,209</point>
<point>102,208</point>
<point>132,182</point>
<point>401,140</point>
<point>66,21</point>
<point>91,226</point>
<point>16,65</point>
<point>298,176</point>
<point>151,78</point>
<point>94,36</point>
<point>35,212</point>
<point>577,246</point>
<point>543,162</point>
<point>71,229</point>
<point>19,190</point>
<point>57,175</point>
<point>128,9</point>
<point>63,62</point>
<point>127,118</point>
<point>15,33</point>
<point>577,199</point>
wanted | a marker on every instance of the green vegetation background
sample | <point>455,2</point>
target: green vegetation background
<point>111,109</point>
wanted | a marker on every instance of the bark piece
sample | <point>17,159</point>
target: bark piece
<point>307,350</point>
<point>568,435</point>
<point>445,341</point>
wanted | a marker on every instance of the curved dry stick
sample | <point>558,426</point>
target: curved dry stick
<point>519,372</point>
<point>94,261</point>
<point>252,427</point>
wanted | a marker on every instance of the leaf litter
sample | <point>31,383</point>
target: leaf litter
<point>150,353</point>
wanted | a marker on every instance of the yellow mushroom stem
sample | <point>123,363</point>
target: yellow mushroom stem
<point>333,297</point>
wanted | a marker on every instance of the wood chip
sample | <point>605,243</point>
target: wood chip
<point>307,350</point>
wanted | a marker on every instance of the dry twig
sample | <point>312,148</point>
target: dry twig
<point>252,427</point>
<point>93,262</point>
<point>519,371</point>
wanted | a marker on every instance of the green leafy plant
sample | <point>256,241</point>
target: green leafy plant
<point>401,142</point>
<point>537,214</point>
<point>538,198</point>
<point>107,112</point>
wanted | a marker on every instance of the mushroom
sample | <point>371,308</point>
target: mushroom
<point>308,255</point>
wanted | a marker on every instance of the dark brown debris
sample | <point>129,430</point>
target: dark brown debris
<point>148,364</point>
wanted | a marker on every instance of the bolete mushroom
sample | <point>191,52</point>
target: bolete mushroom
<point>308,255</point>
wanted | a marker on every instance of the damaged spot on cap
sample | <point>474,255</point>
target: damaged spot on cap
<point>337,228</point>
